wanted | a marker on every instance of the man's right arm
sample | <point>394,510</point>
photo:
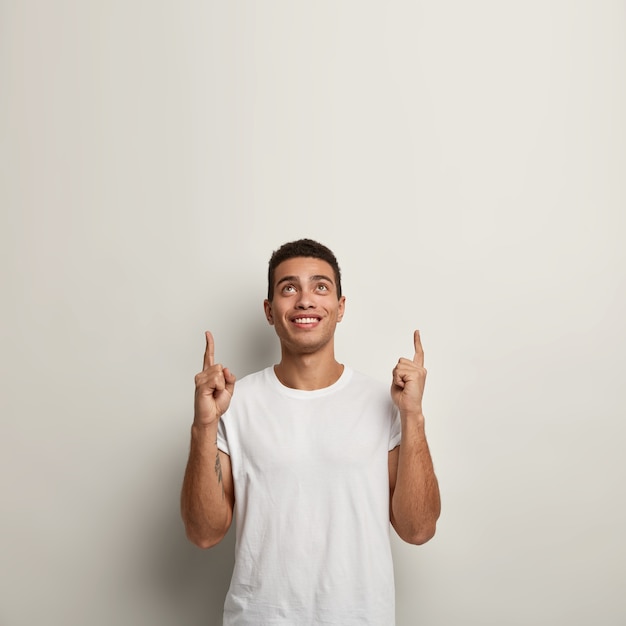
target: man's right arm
<point>207,497</point>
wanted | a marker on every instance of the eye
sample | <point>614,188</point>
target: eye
<point>322,287</point>
<point>289,289</point>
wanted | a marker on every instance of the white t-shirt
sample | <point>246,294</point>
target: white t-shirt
<point>311,478</point>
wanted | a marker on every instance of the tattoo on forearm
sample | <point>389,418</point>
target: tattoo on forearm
<point>218,471</point>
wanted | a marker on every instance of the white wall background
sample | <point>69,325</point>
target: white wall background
<point>466,162</point>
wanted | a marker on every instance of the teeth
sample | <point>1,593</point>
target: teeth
<point>305,320</point>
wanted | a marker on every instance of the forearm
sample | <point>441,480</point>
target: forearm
<point>205,506</point>
<point>415,505</point>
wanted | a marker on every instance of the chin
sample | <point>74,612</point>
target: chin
<point>311,347</point>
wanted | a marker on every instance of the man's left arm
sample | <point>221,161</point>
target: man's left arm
<point>414,491</point>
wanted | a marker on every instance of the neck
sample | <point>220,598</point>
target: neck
<point>308,371</point>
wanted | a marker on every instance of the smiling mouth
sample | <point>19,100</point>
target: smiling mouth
<point>306,320</point>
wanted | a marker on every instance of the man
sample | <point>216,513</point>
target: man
<point>314,459</point>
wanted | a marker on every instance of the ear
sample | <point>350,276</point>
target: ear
<point>342,308</point>
<point>267,306</point>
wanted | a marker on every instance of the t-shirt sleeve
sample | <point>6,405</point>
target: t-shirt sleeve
<point>395,432</point>
<point>222,439</point>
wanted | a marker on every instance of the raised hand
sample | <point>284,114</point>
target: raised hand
<point>409,378</point>
<point>215,385</point>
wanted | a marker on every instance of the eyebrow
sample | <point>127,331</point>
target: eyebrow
<point>312,279</point>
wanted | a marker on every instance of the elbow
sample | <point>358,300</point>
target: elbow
<point>203,531</point>
<point>204,541</point>
<point>418,536</point>
<point>422,536</point>
<point>204,537</point>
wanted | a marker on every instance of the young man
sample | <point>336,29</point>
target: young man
<point>314,459</point>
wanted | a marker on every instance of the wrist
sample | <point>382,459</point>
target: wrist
<point>204,431</point>
<point>413,415</point>
<point>412,420</point>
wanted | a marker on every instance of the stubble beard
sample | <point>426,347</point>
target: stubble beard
<point>305,345</point>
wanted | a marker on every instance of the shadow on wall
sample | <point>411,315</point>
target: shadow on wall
<point>253,344</point>
<point>161,577</point>
<point>194,581</point>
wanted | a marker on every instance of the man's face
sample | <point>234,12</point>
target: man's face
<point>305,309</point>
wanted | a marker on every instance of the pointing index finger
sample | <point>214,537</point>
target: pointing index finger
<point>209,352</point>
<point>418,358</point>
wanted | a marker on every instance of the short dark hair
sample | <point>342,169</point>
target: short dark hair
<point>301,248</point>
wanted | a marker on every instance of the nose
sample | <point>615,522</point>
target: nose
<point>305,301</point>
